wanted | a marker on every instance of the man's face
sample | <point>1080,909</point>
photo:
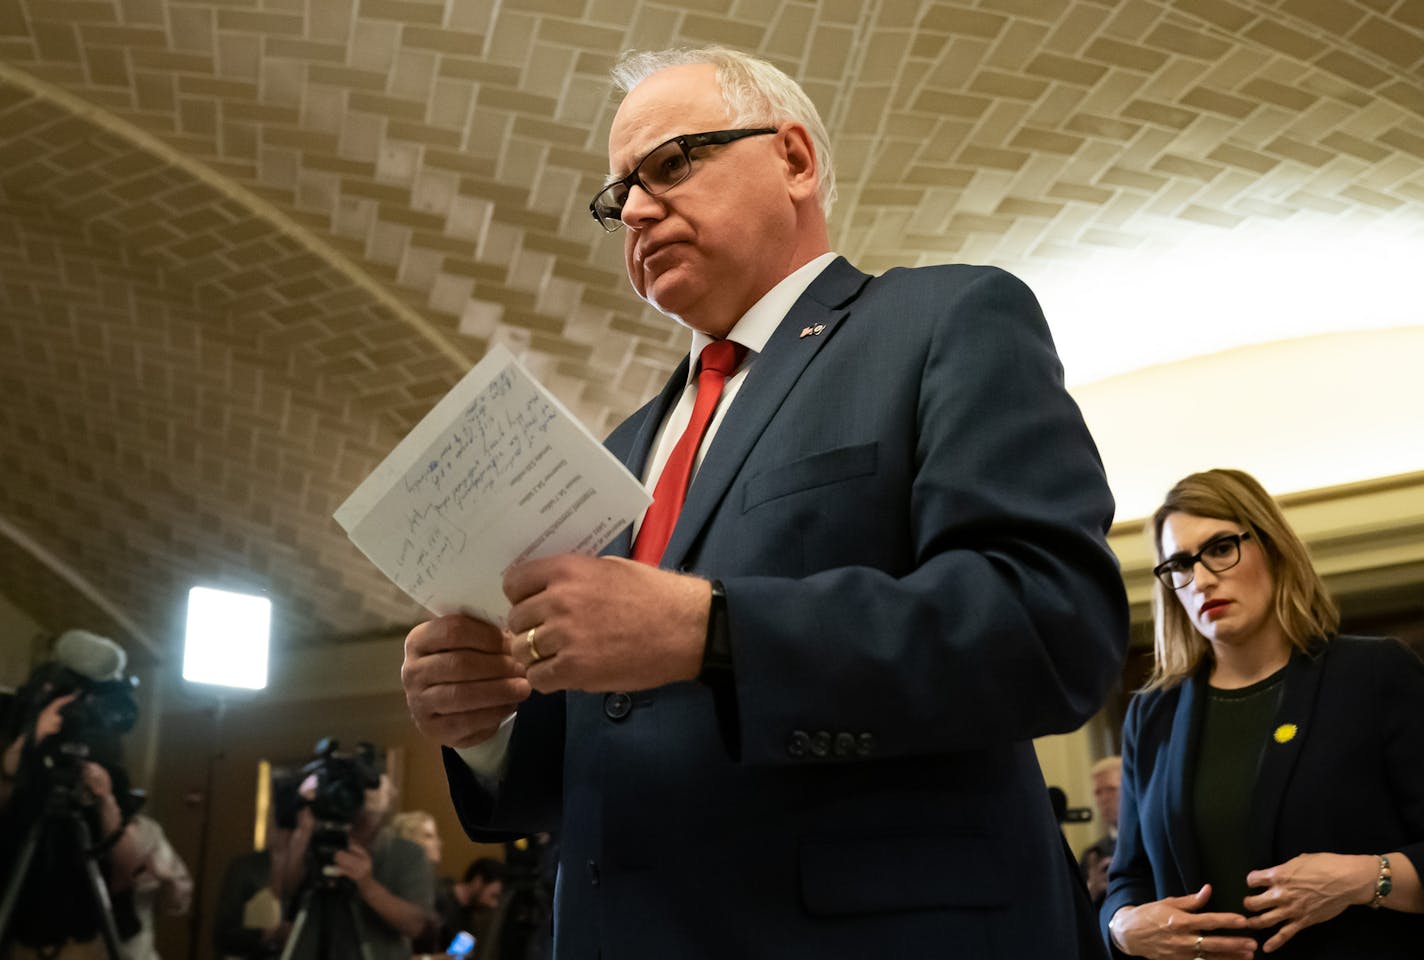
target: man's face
<point>711,246</point>
<point>1106,786</point>
<point>380,799</point>
<point>487,894</point>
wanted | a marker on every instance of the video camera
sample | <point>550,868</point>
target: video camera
<point>50,838</point>
<point>338,784</point>
<point>92,725</point>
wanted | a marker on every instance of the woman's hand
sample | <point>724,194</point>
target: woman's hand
<point>1174,929</point>
<point>1308,889</point>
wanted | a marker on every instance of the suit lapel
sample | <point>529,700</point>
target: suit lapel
<point>1282,750</point>
<point>637,457</point>
<point>1177,804</point>
<point>771,378</point>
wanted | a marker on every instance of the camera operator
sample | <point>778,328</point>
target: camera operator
<point>60,775</point>
<point>391,876</point>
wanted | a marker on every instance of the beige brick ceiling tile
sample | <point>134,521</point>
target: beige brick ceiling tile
<point>1408,96</point>
<point>1398,45</point>
<point>1127,56</point>
<point>1407,140</point>
<point>960,19</point>
<point>1075,27</point>
<point>1159,114</point>
<point>1187,41</point>
<point>1051,66</point>
<point>1106,128</point>
<point>1180,166</point>
<point>1321,118</point>
<point>1011,86</point>
<point>1264,124</point>
<point>1131,20</point>
<point>653,29</point>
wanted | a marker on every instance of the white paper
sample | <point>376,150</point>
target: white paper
<point>499,472</point>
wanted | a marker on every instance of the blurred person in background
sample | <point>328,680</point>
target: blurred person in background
<point>391,877</point>
<point>1107,784</point>
<point>1273,770</point>
<point>161,884</point>
<point>62,772</point>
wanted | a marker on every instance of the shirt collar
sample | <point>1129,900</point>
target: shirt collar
<point>757,325</point>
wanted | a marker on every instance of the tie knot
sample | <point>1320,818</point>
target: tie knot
<point>722,356</point>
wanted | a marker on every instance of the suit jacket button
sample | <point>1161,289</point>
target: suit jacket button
<point>864,745</point>
<point>845,744</point>
<point>798,743</point>
<point>821,744</point>
<point>616,706</point>
<point>593,872</point>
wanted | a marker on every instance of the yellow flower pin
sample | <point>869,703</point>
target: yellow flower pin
<point>1285,733</point>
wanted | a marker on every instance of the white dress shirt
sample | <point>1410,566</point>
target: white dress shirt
<point>752,331</point>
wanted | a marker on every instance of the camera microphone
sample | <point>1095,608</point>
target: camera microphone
<point>90,655</point>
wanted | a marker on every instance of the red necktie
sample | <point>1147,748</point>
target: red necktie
<point>719,359</point>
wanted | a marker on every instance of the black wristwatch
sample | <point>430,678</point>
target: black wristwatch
<point>717,653</point>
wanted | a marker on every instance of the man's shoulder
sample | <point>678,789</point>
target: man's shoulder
<point>397,850</point>
<point>943,275</point>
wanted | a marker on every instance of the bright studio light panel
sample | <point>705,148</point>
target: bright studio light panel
<point>226,639</point>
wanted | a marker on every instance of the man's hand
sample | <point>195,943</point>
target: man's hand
<point>1308,889</point>
<point>354,863</point>
<point>460,680</point>
<point>604,623</point>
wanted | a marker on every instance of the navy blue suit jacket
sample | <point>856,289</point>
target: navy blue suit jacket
<point>1348,779</point>
<point>909,519</point>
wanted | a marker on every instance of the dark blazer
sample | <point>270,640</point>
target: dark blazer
<point>1350,779</point>
<point>908,516</point>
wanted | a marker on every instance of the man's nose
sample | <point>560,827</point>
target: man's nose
<point>641,207</point>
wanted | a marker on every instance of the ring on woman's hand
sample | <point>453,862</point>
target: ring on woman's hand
<point>1196,947</point>
<point>533,650</point>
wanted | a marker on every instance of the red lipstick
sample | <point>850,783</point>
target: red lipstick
<point>1213,607</point>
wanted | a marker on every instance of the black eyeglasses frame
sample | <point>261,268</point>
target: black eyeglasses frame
<point>687,142</point>
<point>1164,569</point>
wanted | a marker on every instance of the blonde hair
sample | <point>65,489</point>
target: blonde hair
<point>755,91</point>
<point>1301,604</point>
<point>1105,765</point>
<point>407,825</point>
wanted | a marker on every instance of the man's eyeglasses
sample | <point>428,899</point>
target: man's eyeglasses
<point>667,165</point>
<point>1219,555</point>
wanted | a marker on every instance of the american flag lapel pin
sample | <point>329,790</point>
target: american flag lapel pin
<point>805,332</point>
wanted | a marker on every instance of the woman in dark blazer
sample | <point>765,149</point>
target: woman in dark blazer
<point>1273,772</point>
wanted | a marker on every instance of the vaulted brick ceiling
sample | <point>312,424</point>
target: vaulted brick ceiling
<point>246,244</point>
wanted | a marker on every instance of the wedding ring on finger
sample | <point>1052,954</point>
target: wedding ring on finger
<point>1196,947</point>
<point>533,650</point>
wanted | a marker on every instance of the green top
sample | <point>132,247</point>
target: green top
<point>1236,728</point>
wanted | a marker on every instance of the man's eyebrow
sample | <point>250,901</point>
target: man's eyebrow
<point>614,177</point>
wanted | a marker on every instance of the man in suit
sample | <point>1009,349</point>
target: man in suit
<point>801,728</point>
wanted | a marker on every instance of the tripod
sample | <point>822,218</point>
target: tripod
<point>62,813</point>
<point>331,898</point>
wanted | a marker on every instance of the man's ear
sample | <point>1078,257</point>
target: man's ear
<point>802,164</point>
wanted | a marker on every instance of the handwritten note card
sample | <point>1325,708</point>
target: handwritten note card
<point>499,472</point>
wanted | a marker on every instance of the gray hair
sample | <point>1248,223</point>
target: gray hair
<point>755,91</point>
